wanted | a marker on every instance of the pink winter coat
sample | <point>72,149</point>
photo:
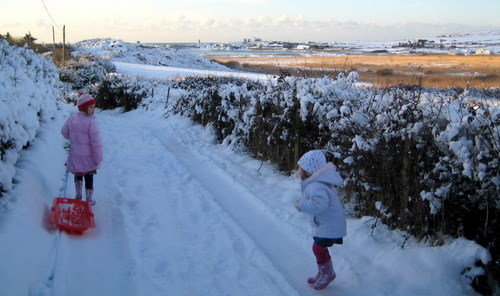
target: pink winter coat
<point>86,147</point>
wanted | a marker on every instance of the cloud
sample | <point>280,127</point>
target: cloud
<point>190,26</point>
<point>222,2</point>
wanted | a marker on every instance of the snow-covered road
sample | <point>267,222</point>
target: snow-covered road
<point>178,214</point>
<point>170,221</point>
<point>162,72</point>
<point>173,208</point>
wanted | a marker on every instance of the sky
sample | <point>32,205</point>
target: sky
<point>173,21</point>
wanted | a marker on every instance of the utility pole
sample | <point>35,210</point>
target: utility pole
<point>53,41</point>
<point>63,46</point>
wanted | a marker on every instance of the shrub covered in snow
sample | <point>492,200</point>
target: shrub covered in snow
<point>84,71</point>
<point>119,91</point>
<point>29,90</point>
<point>410,148</point>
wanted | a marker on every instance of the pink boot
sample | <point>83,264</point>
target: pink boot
<point>90,193</point>
<point>313,279</point>
<point>78,188</point>
<point>327,275</point>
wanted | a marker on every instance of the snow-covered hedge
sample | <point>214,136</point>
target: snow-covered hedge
<point>84,71</point>
<point>422,160</point>
<point>436,145</point>
<point>120,91</point>
<point>29,90</point>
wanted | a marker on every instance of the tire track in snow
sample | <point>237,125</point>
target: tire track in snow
<point>345,259</point>
<point>77,265</point>
<point>181,241</point>
<point>98,262</point>
<point>256,221</point>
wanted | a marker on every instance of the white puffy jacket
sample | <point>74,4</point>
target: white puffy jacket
<point>320,199</point>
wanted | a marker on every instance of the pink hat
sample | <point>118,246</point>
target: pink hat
<point>84,101</point>
<point>312,161</point>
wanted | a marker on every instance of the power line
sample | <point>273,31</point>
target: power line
<point>50,15</point>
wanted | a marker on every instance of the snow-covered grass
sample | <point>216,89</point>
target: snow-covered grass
<point>148,54</point>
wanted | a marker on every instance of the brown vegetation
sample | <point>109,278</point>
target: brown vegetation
<point>433,70</point>
<point>27,39</point>
<point>56,50</point>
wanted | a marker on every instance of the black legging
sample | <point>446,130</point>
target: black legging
<point>89,180</point>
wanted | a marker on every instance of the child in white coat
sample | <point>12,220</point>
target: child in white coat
<point>327,216</point>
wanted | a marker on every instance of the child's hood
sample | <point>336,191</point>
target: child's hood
<point>327,175</point>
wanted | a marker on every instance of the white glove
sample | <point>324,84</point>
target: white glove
<point>297,205</point>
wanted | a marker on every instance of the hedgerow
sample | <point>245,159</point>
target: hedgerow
<point>421,160</point>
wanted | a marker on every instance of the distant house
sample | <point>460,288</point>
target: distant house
<point>482,52</point>
<point>420,43</point>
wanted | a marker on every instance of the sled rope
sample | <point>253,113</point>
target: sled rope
<point>50,279</point>
<point>65,184</point>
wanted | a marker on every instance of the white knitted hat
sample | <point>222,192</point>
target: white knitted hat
<point>312,161</point>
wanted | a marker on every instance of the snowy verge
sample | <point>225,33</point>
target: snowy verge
<point>29,89</point>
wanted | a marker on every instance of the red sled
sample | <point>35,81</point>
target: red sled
<point>72,215</point>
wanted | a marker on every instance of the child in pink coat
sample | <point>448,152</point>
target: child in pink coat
<point>86,148</point>
<point>321,202</point>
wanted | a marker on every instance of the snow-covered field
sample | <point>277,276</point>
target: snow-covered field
<point>178,214</point>
<point>488,41</point>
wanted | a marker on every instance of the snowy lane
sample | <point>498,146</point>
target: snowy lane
<point>255,220</point>
<point>99,262</point>
<point>183,241</point>
<point>162,72</point>
<point>267,215</point>
<point>178,215</point>
<point>80,268</point>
